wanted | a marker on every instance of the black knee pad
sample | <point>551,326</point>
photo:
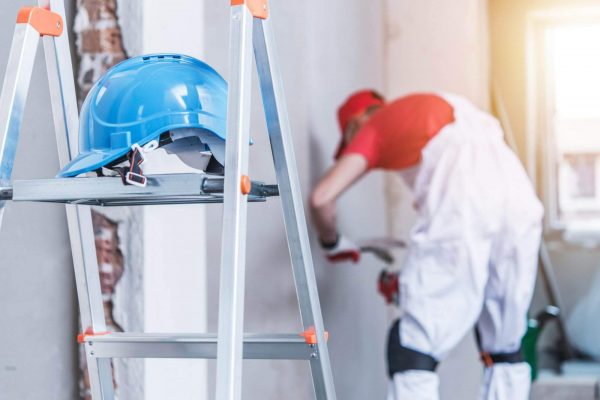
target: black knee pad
<point>402,359</point>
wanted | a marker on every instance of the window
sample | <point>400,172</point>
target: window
<point>575,55</point>
<point>568,105</point>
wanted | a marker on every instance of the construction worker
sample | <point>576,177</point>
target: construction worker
<point>472,252</point>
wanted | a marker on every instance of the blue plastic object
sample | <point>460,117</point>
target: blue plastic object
<point>141,98</point>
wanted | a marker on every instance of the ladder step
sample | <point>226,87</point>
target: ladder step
<point>148,345</point>
<point>110,191</point>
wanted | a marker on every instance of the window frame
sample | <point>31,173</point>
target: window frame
<point>542,163</point>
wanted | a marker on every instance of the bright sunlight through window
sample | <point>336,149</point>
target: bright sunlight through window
<point>574,55</point>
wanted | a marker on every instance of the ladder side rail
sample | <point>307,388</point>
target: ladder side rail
<point>13,97</point>
<point>79,220</point>
<point>87,281</point>
<point>233,254</point>
<point>292,203</point>
<point>61,77</point>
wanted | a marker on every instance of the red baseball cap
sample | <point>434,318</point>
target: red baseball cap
<point>355,105</point>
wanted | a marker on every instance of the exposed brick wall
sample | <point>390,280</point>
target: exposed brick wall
<point>99,41</point>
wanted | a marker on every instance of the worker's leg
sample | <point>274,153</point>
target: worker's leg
<point>441,293</point>
<point>503,319</point>
<point>411,372</point>
<point>414,385</point>
<point>443,278</point>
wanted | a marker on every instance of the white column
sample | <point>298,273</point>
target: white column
<point>174,236</point>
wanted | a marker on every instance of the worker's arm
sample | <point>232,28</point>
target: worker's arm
<point>340,177</point>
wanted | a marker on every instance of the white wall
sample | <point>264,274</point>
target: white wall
<point>347,53</point>
<point>38,328</point>
<point>438,46</point>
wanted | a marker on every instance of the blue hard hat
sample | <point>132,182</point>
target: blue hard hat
<point>141,98</point>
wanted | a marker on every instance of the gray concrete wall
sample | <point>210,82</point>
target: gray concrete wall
<point>38,318</point>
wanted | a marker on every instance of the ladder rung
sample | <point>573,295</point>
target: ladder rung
<point>147,345</point>
<point>110,191</point>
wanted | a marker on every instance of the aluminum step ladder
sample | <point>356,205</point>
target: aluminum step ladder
<point>250,29</point>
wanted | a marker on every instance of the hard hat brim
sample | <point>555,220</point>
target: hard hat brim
<point>91,161</point>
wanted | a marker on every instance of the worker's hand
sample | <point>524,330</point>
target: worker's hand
<point>342,250</point>
<point>388,286</point>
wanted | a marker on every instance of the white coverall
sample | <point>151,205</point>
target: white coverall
<point>472,258</point>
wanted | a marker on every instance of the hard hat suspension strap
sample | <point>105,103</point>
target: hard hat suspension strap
<point>130,170</point>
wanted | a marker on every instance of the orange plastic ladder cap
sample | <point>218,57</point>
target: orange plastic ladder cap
<point>44,21</point>
<point>310,336</point>
<point>258,8</point>
<point>246,184</point>
<point>89,332</point>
